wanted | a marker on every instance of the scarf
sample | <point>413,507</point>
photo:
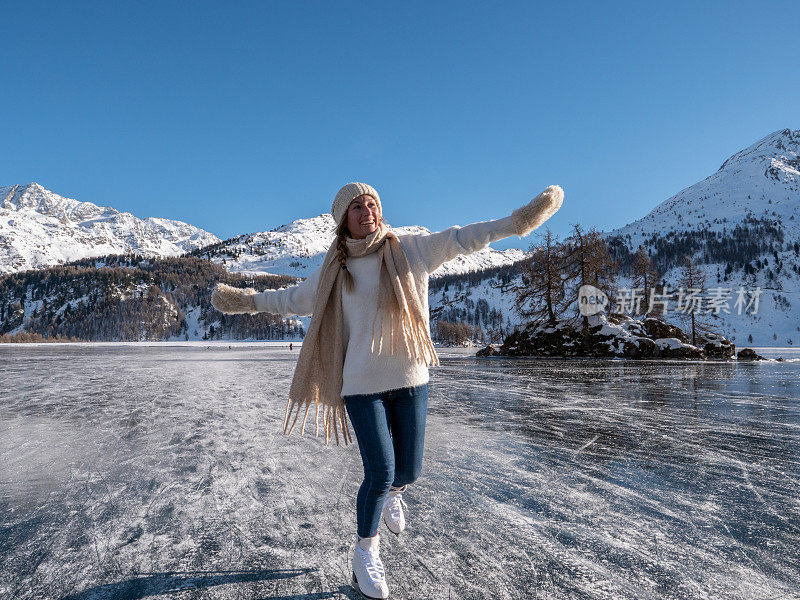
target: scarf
<point>399,327</point>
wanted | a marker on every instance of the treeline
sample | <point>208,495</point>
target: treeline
<point>503,275</point>
<point>457,334</point>
<point>478,320</point>
<point>253,244</point>
<point>25,337</point>
<point>133,298</point>
<point>486,323</point>
<point>222,249</point>
<point>735,248</point>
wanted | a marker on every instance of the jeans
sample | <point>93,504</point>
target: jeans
<point>390,429</point>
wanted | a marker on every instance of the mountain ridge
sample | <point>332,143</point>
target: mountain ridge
<point>748,177</point>
<point>741,223</point>
<point>39,228</point>
<point>298,247</point>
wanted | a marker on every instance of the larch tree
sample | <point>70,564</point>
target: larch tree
<point>646,276</point>
<point>587,261</point>
<point>541,297</point>
<point>691,282</point>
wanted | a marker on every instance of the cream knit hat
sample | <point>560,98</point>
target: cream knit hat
<point>346,195</point>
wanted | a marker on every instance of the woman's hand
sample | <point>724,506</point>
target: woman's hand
<point>231,300</point>
<point>537,211</point>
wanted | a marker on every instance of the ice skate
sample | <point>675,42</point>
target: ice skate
<point>394,508</point>
<point>369,578</point>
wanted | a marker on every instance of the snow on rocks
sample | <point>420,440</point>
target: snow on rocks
<point>613,335</point>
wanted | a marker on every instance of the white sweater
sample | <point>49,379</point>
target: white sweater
<point>364,371</point>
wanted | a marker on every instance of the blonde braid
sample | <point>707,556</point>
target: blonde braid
<point>341,253</point>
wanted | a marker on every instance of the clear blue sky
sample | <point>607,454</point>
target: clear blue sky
<point>241,116</point>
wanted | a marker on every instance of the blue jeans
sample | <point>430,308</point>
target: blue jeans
<point>390,429</point>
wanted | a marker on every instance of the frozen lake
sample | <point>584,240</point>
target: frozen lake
<point>139,471</point>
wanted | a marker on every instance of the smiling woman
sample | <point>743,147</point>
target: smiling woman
<point>368,347</point>
<point>362,216</point>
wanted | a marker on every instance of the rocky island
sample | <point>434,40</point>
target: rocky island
<point>616,335</point>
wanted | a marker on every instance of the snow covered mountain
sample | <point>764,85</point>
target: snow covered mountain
<point>760,182</point>
<point>39,228</point>
<point>742,224</point>
<point>299,247</point>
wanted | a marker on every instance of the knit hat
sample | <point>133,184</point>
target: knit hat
<point>346,195</point>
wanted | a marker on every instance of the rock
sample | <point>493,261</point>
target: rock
<point>544,340</point>
<point>658,329</point>
<point>716,346</point>
<point>618,318</point>
<point>749,354</point>
<point>490,350</point>
<point>674,348</point>
<point>640,348</point>
<point>614,335</point>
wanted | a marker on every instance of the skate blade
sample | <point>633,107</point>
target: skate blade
<point>354,583</point>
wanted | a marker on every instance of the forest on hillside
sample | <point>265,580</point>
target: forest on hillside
<point>130,297</point>
<point>133,298</point>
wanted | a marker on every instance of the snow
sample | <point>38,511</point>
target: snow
<point>39,228</point>
<point>299,247</point>
<point>773,324</point>
<point>669,343</point>
<point>157,468</point>
<point>757,181</point>
<point>760,182</point>
<point>614,330</point>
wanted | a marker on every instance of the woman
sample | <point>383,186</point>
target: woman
<point>368,347</point>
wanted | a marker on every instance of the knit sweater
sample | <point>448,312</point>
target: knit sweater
<point>365,372</point>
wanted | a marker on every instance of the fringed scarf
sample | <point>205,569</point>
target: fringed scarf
<point>399,326</point>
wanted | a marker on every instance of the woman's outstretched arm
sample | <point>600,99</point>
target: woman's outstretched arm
<point>437,248</point>
<point>293,300</point>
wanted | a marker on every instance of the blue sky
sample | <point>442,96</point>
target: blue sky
<point>239,117</point>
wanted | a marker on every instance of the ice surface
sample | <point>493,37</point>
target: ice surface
<point>136,471</point>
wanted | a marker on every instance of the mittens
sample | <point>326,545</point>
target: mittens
<point>537,211</point>
<point>233,300</point>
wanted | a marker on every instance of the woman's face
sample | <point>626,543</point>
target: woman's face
<point>363,216</point>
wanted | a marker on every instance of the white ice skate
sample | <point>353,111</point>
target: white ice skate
<point>393,510</point>
<point>369,578</point>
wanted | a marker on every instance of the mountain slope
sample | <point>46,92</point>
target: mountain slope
<point>39,228</point>
<point>760,182</point>
<point>134,298</point>
<point>742,225</point>
<point>299,247</point>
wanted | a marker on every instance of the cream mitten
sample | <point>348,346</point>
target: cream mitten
<point>537,211</point>
<point>232,300</point>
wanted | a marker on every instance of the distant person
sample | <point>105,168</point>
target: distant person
<point>290,346</point>
<point>368,347</point>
